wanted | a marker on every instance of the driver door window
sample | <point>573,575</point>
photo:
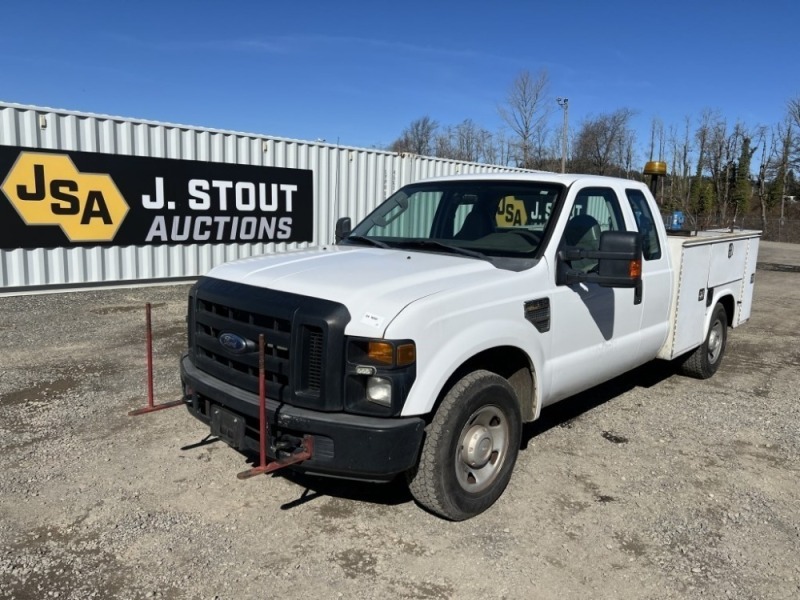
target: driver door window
<point>594,211</point>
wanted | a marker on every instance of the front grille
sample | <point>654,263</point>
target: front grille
<point>213,319</point>
<point>303,341</point>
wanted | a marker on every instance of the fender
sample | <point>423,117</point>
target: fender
<point>438,361</point>
<point>721,292</point>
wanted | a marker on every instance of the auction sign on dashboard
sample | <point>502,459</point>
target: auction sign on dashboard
<point>53,199</point>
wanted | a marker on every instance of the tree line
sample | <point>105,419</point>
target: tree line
<point>718,171</point>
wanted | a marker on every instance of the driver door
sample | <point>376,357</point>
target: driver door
<point>596,329</point>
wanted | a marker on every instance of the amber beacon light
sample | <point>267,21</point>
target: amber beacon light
<point>655,169</point>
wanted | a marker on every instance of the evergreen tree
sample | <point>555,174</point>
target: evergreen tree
<point>742,187</point>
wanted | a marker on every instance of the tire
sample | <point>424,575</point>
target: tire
<point>470,448</point>
<point>704,360</point>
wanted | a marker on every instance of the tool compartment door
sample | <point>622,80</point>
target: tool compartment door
<point>728,259</point>
<point>690,314</point>
<point>748,282</point>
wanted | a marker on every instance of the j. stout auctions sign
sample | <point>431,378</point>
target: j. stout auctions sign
<point>62,199</point>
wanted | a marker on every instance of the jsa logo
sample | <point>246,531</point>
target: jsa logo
<point>511,212</point>
<point>47,189</point>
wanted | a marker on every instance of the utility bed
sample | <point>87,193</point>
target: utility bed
<point>706,263</point>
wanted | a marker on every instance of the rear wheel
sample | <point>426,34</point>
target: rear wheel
<point>704,361</point>
<point>470,448</point>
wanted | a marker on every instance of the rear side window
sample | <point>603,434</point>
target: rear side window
<point>651,248</point>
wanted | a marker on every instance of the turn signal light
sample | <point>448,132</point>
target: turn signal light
<point>635,269</point>
<point>381,352</point>
<point>406,354</point>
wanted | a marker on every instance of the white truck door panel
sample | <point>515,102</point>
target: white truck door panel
<point>692,271</point>
<point>595,329</point>
<point>595,336</point>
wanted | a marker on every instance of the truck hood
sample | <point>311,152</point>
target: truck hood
<point>375,284</point>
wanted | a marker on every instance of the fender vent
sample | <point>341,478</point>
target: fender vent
<point>538,313</point>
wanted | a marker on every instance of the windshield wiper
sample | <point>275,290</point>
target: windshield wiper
<point>434,245</point>
<point>366,240</point>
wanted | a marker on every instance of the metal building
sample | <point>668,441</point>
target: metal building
<point>347,181</point>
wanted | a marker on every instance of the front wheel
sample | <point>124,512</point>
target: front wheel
<point>704,361</point>
<point>470,448</point>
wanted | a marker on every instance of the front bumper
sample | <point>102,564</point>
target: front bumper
<point>345,445</point>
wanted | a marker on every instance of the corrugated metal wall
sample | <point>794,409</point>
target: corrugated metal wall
<point>347,182</point>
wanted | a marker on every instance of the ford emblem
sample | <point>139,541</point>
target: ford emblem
<point>232,342</point>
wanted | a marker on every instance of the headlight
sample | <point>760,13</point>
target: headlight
<point>379,391</point>
<point>379,375</point>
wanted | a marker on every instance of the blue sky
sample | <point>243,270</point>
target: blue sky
<point>359,72</point>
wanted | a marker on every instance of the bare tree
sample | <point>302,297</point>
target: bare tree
<point>656,139</point>
<point>721,150</point>
<point>680,149</point>
<point>601,142</point>
<point>443,146</point>
<point>627,152</point>
<point>417,138</point>
<point>784,164</point>
<point>499,149</point>
<point>657,145</point>
<point>767,158</point>
<point>525,112</point>
<point>791,139</point>
<point>470,141</point>
<point>466,141</point>
<point>794,111</point>
<point>742,186</point>
<point>701,191</point>
<point>541,153</point>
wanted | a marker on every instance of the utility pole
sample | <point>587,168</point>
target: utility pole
<point>564,104</point>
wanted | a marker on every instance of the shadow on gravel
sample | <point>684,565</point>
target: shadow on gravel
<point>778,267</point>
<point>390,493</point>
<point>396,492</point>
<point>564,412</point>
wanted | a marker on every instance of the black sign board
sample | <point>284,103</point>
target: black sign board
<point>53,199</point>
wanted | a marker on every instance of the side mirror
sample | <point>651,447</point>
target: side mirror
<point>343,228</point>
<point>619,261</point>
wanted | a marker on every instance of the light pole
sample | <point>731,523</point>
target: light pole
<point>564,104</point>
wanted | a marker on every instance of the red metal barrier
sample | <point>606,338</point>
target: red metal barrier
<point>307,447</point>
<point>151,406</point>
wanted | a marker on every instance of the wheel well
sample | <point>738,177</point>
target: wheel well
<point>510,363</point>
<point>730,307</point>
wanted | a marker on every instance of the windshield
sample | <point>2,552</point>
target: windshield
<point>480,218</point>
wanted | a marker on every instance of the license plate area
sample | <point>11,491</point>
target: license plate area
<point>228,426</point>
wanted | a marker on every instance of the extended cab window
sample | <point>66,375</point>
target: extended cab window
<point>651,248</point>
<point>595,210</point>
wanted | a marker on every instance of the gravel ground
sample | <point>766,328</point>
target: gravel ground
<point>650,486</point>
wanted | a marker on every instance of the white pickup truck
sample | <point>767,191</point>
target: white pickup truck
<point>423,339</point>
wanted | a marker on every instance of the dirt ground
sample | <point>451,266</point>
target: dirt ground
<point>650,486</point>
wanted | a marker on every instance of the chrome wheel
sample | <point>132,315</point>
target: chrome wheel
<point>482,449</point>
<point>715,338</point>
